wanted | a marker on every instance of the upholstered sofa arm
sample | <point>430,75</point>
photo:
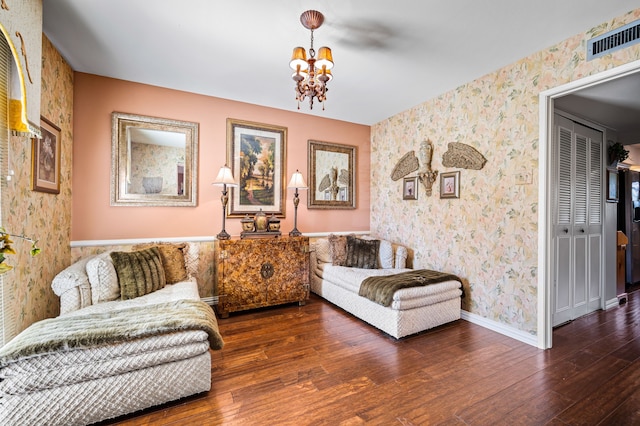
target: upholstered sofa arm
<point>72,286</point>
<point>401,257</point>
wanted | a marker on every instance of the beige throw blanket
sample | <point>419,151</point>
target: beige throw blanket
<point>380,289</point>
<point>86,331</point>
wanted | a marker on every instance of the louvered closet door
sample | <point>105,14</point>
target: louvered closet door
<point>577,241</point>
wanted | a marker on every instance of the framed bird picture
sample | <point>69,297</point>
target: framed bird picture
<point>332,176</point>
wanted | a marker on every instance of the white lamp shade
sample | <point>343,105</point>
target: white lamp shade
<point>225,177</point>
<point>297,181</point>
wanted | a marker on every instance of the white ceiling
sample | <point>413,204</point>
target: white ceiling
<point>389,55</point>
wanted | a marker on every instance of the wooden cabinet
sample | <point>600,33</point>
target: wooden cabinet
<point>254,273</point>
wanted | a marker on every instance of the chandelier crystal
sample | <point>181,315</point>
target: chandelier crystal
<point>311,75</point>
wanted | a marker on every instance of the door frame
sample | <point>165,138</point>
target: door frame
<point>545,173</point>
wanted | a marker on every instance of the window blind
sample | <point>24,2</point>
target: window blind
<point>7,315</point>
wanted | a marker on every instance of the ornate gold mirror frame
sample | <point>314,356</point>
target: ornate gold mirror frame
<point>154,161</point>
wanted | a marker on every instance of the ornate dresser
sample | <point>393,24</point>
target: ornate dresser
<point>254,273</point>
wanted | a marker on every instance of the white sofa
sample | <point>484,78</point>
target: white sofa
<point>92,382</point>
<point>412,310</point>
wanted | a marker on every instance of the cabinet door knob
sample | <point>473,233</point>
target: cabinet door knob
<point>565,230</point>
<point>266,270</point>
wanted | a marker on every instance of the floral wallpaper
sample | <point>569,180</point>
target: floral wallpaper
<point>489,235</point>
<point>46,217</point>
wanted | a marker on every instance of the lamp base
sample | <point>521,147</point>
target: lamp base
<point>223,235</point>
<point>295,233</point>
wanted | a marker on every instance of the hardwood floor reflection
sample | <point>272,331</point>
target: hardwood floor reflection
<point>316,364</point>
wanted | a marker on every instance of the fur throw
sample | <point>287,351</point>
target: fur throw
<point>380,289</point>
<point>71,332</point>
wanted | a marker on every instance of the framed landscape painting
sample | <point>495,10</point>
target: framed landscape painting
<point>256,153</point>
<point>45,159</point>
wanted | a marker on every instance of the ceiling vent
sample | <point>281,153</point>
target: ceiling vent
<point>613,40</point>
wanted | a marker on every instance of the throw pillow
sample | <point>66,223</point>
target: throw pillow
<point>362,253</point>
<point>103,279</point>
<point>173,260</point>
<point>139,272</point>
<point>385,254</point>
<point>192,258</point>
<point>338,249</point>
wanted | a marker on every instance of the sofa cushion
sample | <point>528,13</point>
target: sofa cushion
<point>362,253</point>
<point>103,279</point>
<point>338,249</point>
<point>385,255</point>
<point>173,260</point>
<point>139,272</point>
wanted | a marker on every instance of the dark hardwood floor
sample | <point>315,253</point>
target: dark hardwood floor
<point>318,365</point>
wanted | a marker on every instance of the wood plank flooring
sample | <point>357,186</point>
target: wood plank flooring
<point>318,365</point>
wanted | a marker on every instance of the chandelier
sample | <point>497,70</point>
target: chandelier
<point>311,75</point>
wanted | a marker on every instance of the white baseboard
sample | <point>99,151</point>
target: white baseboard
<point>613,303</point>
<point>514,333</point>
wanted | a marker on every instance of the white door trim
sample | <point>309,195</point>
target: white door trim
<point>546,110</point>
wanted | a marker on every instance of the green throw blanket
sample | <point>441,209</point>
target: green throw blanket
<point>381,289</point>
<point>89,330</point>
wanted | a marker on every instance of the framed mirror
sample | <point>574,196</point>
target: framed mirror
<point>154,161</point>
<point>332,176</point>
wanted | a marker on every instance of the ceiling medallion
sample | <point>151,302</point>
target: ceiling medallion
<point>311,75</point>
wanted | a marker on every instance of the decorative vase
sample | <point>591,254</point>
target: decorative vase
<point>274,224</point>
<point>261,221</point>
<point>247,224</point>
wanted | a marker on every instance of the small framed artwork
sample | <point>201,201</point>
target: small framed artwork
<point>332,176</point>
<point>410,188</point>
<point>450,185</point>
<point>612,186</point>
<point>45,159</point>
<point>256,153</point>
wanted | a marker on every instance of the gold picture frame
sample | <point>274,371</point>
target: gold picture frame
<point>332,176</point>
<point>256,154</point>
<point>450,185</point>
<point>45,159</point>
<point>410,188</point>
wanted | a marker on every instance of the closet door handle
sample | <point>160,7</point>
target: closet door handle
<point>565,230</point>
<point>582,231</point>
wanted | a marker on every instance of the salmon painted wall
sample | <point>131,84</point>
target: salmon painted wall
<point>96,97</point>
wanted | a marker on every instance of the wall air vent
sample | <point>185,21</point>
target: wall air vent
<point>613,40</point>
